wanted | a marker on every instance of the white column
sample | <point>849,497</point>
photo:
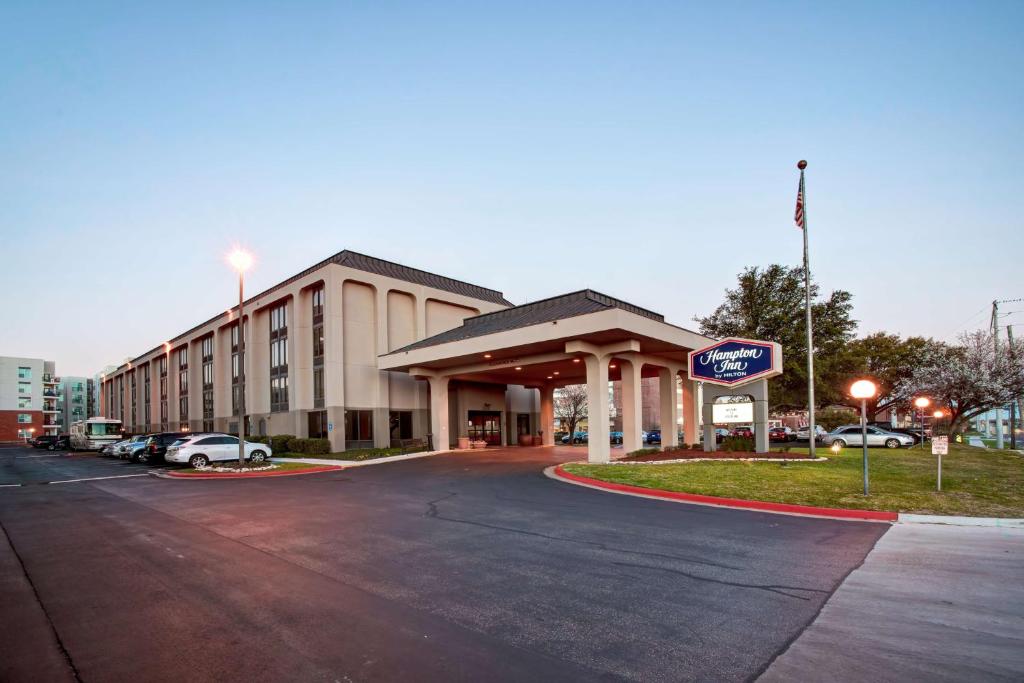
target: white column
<point>669,412</point>
<point>760,395</point>
<point>547,414</point>
<point>439,413</point>
<point>632,407</point>
<point>598,449</point>
<point>691,412</point>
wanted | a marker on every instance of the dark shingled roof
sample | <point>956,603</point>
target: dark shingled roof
<point>369,264</point>
<point>544,311</point>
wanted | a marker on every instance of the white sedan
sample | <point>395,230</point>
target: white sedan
<point>202,449</point>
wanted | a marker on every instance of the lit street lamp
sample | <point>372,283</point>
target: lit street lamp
<point>864,389</point>
<point>922,402</point>
<point>241,260</point>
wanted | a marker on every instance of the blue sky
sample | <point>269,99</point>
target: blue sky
<point>646,150</point>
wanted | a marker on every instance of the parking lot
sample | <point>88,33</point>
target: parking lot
<point>468,566</point>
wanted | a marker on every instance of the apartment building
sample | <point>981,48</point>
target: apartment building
<point>28,398</point>
<point>76,400</point>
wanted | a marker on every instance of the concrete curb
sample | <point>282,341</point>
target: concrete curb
<point>246,475</point>
<point>685,460</point>
<point>556,472</point>
<point>360,463</point>
<point>1006,523</point>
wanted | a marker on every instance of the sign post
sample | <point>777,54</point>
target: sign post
<point>940,447</point>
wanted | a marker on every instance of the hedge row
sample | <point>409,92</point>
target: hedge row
<point>289,443</point>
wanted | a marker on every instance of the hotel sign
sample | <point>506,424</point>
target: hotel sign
<point>734,361</point>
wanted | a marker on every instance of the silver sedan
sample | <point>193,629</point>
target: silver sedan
<point>850,435</point>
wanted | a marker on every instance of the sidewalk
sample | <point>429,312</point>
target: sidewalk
<point>931,602</point>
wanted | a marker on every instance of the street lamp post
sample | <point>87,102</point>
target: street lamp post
<point>241,260</point>
<point>864,389</point>
<point>921,402</point>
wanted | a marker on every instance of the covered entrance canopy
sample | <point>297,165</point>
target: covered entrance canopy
<point>579,338</point>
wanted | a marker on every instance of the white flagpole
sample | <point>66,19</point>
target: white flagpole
<point>812,443</point>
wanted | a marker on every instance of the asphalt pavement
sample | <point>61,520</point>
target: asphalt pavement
<point>469,566</point>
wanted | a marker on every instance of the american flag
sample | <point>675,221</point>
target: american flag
<point>799,217</point>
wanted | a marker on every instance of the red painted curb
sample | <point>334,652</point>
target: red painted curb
<point>250,475</point>
<point>841,513</point>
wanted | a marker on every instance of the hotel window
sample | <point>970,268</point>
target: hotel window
<point>24,402</point>
<point>279,358</point>
<point>163,391</point>
<point>24,373</point>
<point>134,393</point>
<point>24,418</point>
<point>183,386</point>
<point>234,370</point>
<point>145,396</point>
<point>24,388</point>
<point>358,425</point>
<point>318,348</point>
<point>207,347</point>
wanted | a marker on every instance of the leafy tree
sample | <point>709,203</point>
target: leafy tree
<point>768,303</point>
<point>571,406</point>
<point>830,418</point>
<point>970,378</point>
<point>889,361</point>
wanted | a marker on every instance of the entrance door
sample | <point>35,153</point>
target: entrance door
<point>485,425</point>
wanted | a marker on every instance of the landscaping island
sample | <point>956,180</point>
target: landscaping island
<point>975,482</point>
<point>228,470</point>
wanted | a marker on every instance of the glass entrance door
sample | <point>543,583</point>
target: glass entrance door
<point>485,425</point>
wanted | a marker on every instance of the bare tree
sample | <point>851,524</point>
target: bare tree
<point>571,406</point>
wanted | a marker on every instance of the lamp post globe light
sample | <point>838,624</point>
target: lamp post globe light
<point>241,261</point>
<point>922,402</point>
<point>864,389</point>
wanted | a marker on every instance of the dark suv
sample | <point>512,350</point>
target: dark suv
<point>157,445</point>
<point>44,441</point>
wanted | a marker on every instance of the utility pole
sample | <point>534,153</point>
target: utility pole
<point>995,345</point>
<point>1015,401</point>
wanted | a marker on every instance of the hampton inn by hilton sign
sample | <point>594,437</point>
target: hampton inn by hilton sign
<point>733,362</point>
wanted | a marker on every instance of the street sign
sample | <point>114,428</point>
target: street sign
<point>730,413</point>
<point>940,447</point>
<point>734,361</point>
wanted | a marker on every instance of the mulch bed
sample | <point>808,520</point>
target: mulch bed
<point>717,455</point>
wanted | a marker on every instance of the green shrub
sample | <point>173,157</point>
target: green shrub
<point>732,444</point>
<point>309,446</point>
<point>255,439</point>
<point>279,442</point>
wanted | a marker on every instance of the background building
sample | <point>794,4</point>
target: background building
<point>76,400</point>
<point>28,398</point>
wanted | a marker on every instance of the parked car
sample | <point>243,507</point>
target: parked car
<point>111,448</point>
<point>132,452</point>
<point>784,434</point>
<point>915,432</point>
<point>199,450</point>
<point>804,433</point>
<point>654,436</point>
<point>578,437</point>
<point>850,435</point>
<point>123,448</point>
<point>616,437</point>
<point>63,443</point>
<point>43,441</point>
<point>743,432</point>
<point>721,433</point>
<point>157,445</point>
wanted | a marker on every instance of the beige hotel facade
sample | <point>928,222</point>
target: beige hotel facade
<point>369,353</point>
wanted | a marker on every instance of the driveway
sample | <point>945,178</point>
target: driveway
<point>468,566</point>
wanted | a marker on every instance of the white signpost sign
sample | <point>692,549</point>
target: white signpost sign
<point>730,413</point>
<point>940,447</point>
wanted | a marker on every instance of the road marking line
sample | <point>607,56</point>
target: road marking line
<point>119,476</point>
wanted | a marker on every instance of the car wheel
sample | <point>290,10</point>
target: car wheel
<point>142,457</point>
<point>840,443</point>
<point>892,443</point>
<point>257,456</point>
<point>51,447</point>
<point>198,460</point>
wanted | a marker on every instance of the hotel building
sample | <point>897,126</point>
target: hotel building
<point>367,353</point>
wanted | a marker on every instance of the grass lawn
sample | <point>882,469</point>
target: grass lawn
<point>355,454</point>
<point>975,482</point>
<point>281,466</point>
